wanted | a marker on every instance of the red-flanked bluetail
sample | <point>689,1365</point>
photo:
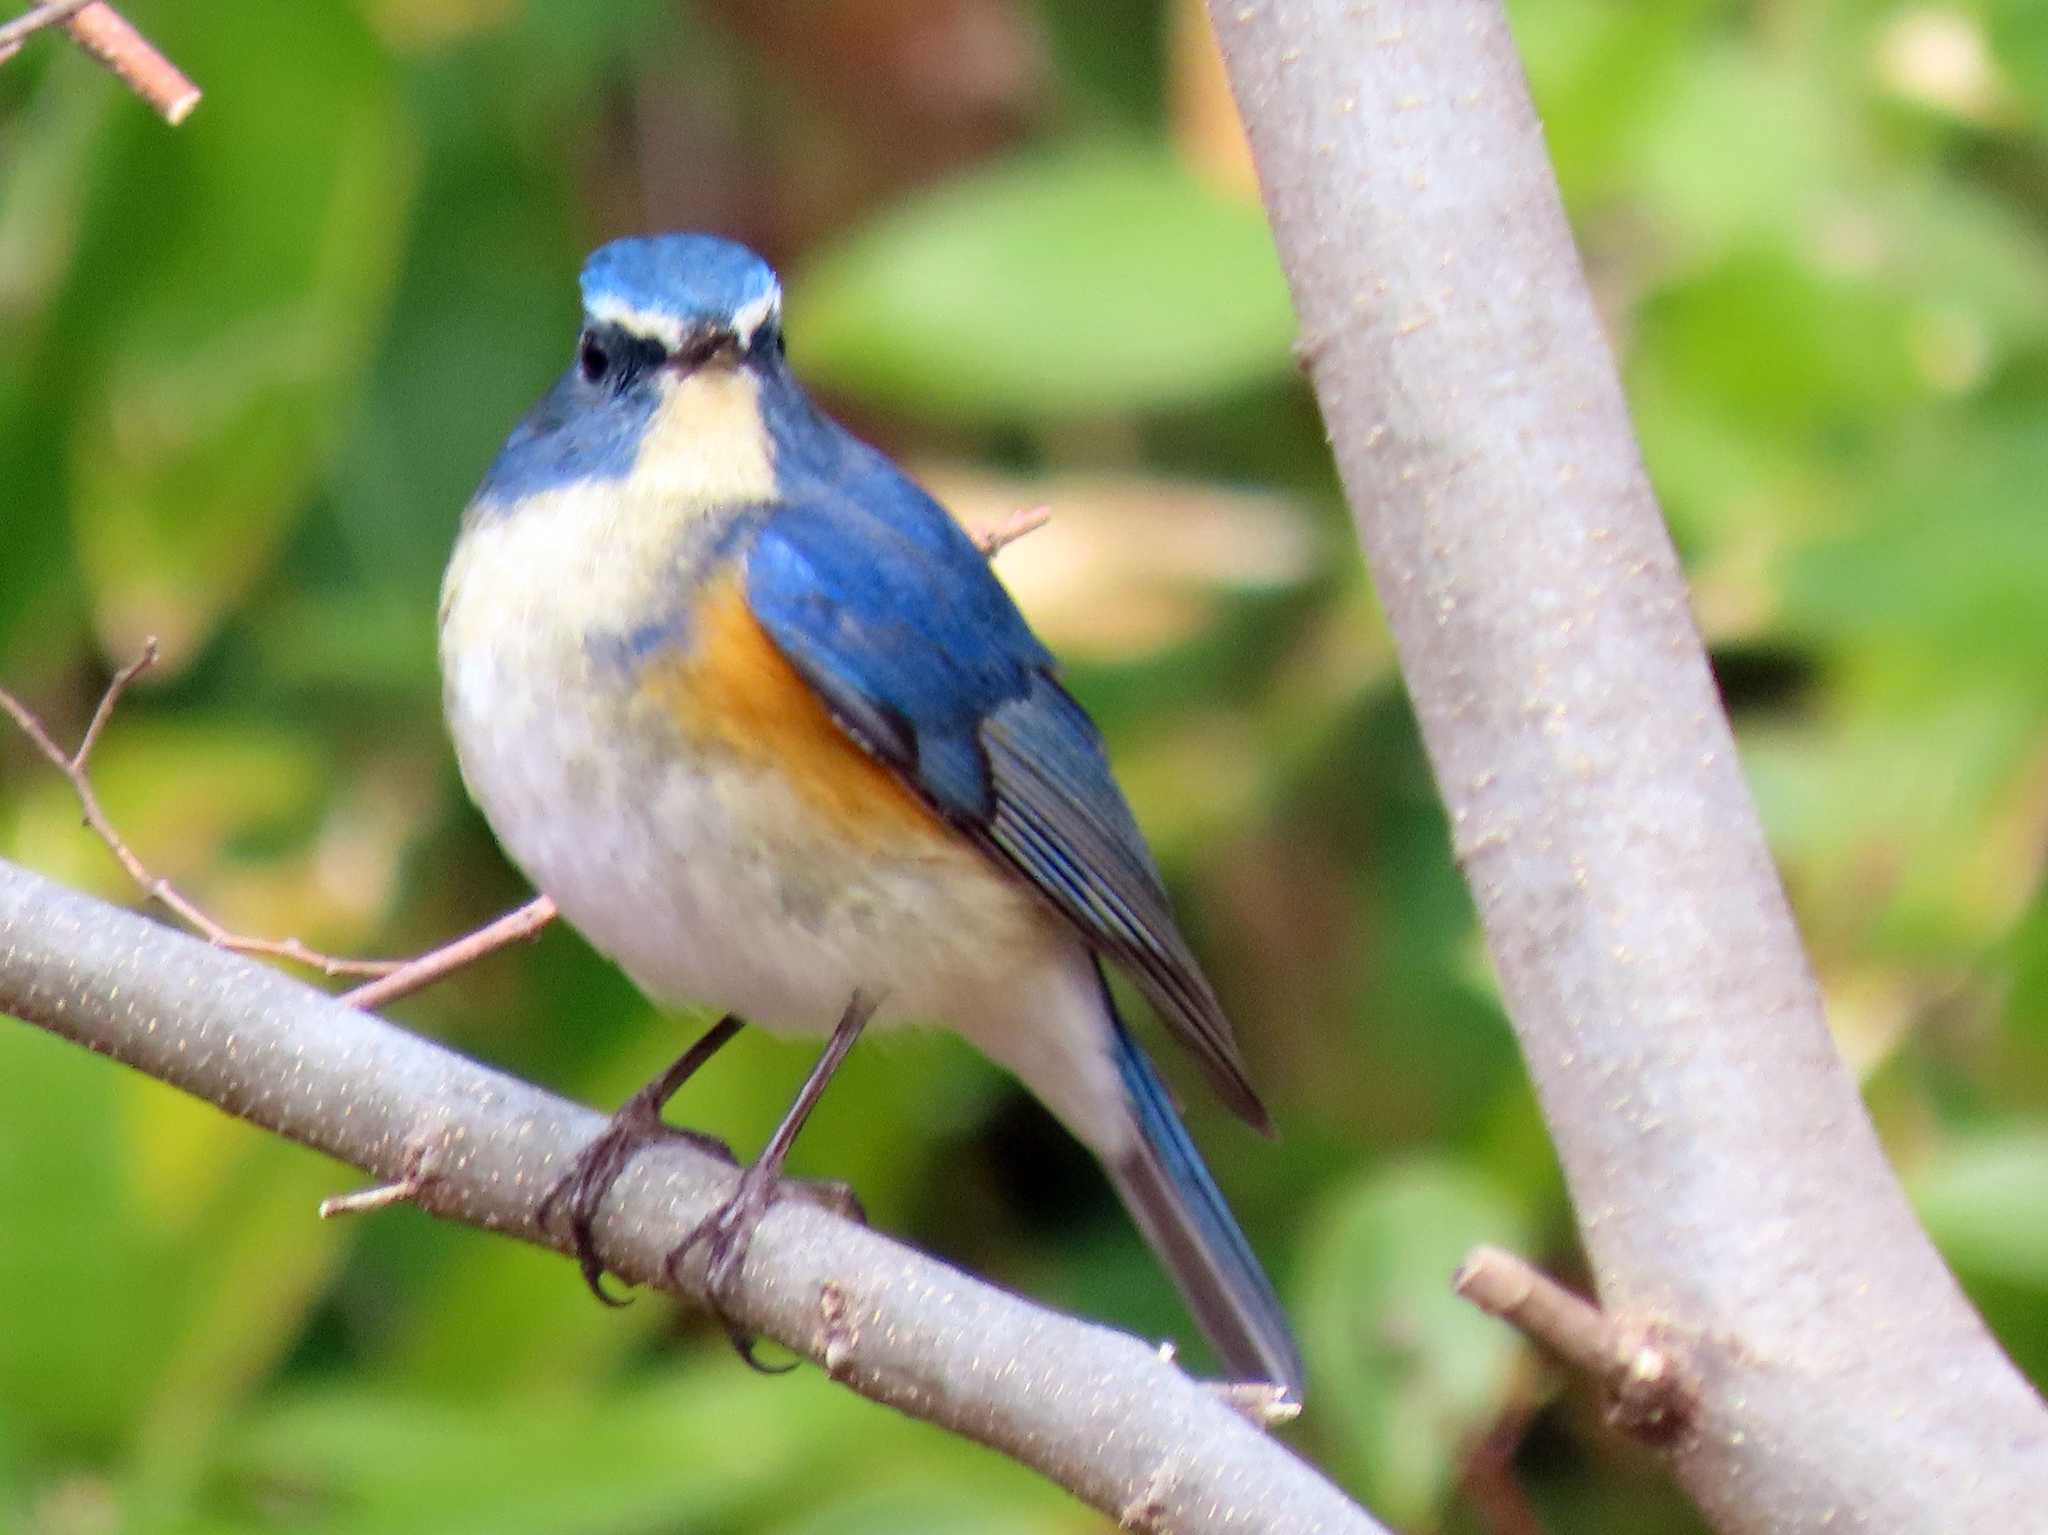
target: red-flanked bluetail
<point>753,709</point>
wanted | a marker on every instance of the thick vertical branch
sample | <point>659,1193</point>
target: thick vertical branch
<point>1728,1183</point>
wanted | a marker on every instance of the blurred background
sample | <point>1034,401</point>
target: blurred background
<point>251,369</point>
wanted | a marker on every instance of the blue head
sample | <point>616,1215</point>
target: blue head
<point>663,316</point>
<point>685,294</point>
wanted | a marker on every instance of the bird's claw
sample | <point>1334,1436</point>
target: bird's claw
<point>728,1231</point>
<point>580,1192</point>
<point>726,1234</point>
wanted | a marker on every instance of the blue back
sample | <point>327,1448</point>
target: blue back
<point>889,610</point>
<point>887,607</point>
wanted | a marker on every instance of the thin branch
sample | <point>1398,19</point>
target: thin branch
<point>998,536</point>
<point>108,36</point>
<point>1727,1178</point>
<point>73,765</point>
<point>53,14</point>
<point>418,974</point>
<point>1489,1477</point>
<point>1098,1412</point>
<point>1649,1394</point>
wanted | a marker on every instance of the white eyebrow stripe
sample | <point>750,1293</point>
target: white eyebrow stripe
<point>608,309</point>
<point>651,323</point>
<point>751,316</point>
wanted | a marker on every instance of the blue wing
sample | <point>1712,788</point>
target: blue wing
<point>889,610</point>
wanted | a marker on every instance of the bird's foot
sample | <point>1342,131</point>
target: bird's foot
<point>728,1231</point>
<point>579,1194</point>
<point>581,1190</point>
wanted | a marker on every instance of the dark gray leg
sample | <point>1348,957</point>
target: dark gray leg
<point>581,1190</point>
<point>727,1231</point>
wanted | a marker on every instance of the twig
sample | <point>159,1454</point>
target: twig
<point>1096,1411</point>
<point>109,37</point>
<point>381,1196</point>
<point>998,536</point>
<point>405,1189</point>
<point>1648,1394</point>
<point>30,22</point>
<point>1497,1494</point>
<point>73,766</point>
<point>393,978</point>
<point>416,974</point>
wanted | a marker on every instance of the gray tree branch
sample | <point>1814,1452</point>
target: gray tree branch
<point>1096,1411</point>
<point>1729,1186</point>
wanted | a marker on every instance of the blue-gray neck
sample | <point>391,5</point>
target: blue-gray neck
<point>572,436</point>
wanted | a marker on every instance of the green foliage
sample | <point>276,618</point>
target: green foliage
<point>250,369</point>
<point>998,299</point>
<point>1411,1367</point>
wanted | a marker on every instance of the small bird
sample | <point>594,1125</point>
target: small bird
<point>753,709</point>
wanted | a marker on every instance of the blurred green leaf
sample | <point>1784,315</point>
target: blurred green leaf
<point>1733,112</point>
<point>77,1341</point>
<point>481,325</point>
<point>42,189</point>
<point>1944,576</point>
<point>2019,41</point>
<point>1877,817</point>
<point>1597,70</point>
<point>1103,278</point>
<point>918,1507</point>
<point>1403,1374</point>
<point>711,1448</point>
<point>1980,1196</point>
<point>348,1463</point>
<point>1975,269</point>
<point>1836,348</point>
<point>220,365</point>
<point>179,793</point>
<point>243,1267</point>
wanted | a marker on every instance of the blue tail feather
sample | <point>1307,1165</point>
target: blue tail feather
<point>1181,1212</point>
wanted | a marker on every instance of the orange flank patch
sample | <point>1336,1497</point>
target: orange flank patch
<point>732,687</point>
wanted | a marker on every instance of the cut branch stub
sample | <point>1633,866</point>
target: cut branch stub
<point>1649,1392</point>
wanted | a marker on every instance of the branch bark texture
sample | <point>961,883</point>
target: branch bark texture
<point>1729,1186</point>
<point>1098,1412</point>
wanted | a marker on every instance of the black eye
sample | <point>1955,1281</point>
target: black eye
<point>593,359</point>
